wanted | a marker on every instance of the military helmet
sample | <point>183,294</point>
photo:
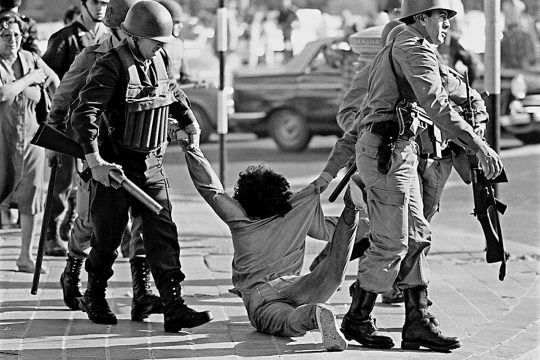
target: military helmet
<point>174,8</point>
<point>116,12</point>
<point>414,7</point>
<point>148,19</point>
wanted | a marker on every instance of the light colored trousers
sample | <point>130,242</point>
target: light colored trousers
<point>400,235</point>
<point>286,306</point>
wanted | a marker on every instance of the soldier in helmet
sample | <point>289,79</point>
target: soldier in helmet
<point>176,48</point>
<point>62,48</point>
<point>131,86</point>
<point>65,98</point>
<point>386,155</point>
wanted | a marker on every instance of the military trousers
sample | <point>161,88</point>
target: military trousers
<point>433,176</point>
<point>285,306</point>
<point>400,235</point>
<point>109,214</point>
<point>81,235</point>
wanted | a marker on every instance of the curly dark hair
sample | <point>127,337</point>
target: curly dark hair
<point>262,192</point>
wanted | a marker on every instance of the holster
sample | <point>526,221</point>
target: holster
<point>389,132</point>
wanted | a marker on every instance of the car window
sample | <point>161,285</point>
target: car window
<point>330,58</point>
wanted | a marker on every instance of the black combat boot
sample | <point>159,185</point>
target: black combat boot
<point>70,281</point>
<point>94,304</point>
<point>177,314</point>
<point>357,323</point>
<point>144,301</point>
<point>54,246</point>
<point>419,329</point>
<point>69,219</point>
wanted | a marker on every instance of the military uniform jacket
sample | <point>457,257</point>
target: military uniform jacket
<point>105,92</point>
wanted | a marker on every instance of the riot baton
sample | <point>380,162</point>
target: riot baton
<point>44,224</point>
<point>339,188</point>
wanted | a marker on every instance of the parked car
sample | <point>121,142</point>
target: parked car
<point>203,99</point>
<point>521,105</point>
<point>296,100</point>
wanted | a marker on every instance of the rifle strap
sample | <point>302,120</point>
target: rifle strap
<point>400,97</point>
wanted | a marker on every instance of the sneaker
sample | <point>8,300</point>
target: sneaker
<point>333,339</point>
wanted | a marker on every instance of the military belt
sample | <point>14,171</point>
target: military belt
<point>382,129</point>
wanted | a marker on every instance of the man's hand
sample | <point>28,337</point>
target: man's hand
<point>100,169</point>
<point>188,136</point>
<point>480,129</point>
<point>194,134</point>
<point>322,182</point>
<point>490,161</point>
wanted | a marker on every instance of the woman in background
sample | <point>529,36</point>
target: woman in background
<point>22,74</point>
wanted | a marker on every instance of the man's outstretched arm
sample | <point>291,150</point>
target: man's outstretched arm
<point>209,186</point>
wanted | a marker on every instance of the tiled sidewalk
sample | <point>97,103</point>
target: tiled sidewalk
<point>493,319</point>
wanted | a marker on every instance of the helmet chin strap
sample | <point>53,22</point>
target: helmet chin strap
<point>90,14</point>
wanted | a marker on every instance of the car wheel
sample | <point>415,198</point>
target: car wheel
<point>204,122</point>
<point>532,137</point>
<point>289,130</point>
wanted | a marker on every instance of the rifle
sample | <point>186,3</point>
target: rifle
<point>408,111</point>
<point>486,206</point>
<point>44,224</point>
<point>52,139</point>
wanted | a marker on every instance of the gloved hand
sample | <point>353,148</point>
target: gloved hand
<point>322,182</point>
<point>100,168</point>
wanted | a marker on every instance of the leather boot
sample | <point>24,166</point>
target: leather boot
<point>94,303</point>
<point>54,246</point>
<point>70,282</point>
<point>69,219</point>
<point>177,314</point>
<point>359,248</point>
<point>419,330</point>
<point>144,301</point>
<point>357,323</point>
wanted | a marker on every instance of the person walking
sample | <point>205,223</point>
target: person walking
<point>62,48</point>
<point>131,86</point>
<point>386,156</point>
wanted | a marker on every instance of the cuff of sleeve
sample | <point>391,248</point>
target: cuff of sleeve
<point>93,159</point>
<point>332,169</point>
<point>326,176</point>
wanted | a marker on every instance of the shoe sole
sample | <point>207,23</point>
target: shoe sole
<point>390,344</point>
<point>174,328</point>
<point>333,339</point>
<point>95,320</point>
<point>415,345</point>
